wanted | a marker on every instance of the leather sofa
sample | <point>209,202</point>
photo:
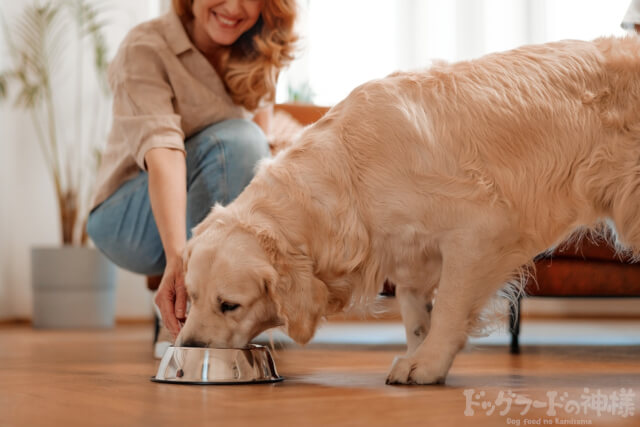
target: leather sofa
<point>590,268</point>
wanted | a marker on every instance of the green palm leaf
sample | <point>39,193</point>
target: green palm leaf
<point>89,17</point>
<point>39,42</point>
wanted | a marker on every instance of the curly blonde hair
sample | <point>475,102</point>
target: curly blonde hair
<point>250,66</point>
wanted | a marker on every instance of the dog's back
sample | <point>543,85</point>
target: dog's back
<point>527,144</point>
<point>542,131</point>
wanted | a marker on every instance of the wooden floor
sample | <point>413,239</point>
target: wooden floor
<point>50,378</point>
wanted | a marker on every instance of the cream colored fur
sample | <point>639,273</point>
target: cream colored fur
<point>448,180</point>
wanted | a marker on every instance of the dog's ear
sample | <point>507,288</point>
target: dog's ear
<point>301,300</point>
<point>269,245</point>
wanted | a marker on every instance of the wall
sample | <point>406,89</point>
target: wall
<point>28,214</point>
<point>368,39</point>
<point>6,175</point>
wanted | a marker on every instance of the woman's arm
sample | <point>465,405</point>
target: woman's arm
<point>168,193</point>
<point>168,196</point>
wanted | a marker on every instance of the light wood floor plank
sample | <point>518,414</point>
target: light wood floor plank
<point>101,378</point>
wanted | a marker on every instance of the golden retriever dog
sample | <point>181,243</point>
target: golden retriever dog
<point>448,180</point>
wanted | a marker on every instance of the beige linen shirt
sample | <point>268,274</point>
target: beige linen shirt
<point>164,90</point>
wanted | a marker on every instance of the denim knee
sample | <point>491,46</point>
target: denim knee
<point>243,150</point>
<point>129,244</point>
<point>221,160</point>
<point>125,257</point>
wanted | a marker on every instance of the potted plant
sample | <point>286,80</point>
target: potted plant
<point>64,90</point>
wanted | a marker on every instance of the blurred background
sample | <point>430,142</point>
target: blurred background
<point>343,44</point>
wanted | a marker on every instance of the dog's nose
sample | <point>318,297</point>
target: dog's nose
<point>192,342</point>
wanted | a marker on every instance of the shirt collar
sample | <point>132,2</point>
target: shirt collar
<point>175,34</point>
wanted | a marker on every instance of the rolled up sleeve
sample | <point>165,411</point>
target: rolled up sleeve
<point>144,115</point>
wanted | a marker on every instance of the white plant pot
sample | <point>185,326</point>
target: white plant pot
<point>73,287</point>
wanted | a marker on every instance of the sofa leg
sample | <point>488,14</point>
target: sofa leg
<point>388,290</point>
<point>514,325</point>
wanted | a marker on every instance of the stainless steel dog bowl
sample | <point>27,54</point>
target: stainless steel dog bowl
<point>191,365</point>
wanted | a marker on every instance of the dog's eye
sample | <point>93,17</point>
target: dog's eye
<point>227,306</point>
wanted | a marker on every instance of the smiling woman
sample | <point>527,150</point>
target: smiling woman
<point>219,24</point>
<point>185,86</point>
<point>248,42</point>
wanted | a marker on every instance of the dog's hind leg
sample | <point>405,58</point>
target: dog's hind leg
<point>474,267</point>
<point>415,307</point>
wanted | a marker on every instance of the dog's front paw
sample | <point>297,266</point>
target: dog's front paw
<point>401,369</point>
<point>408,370</point>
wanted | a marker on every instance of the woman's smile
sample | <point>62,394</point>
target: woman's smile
<point>226,21</point>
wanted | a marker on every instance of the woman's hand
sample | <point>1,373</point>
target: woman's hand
<point>171,297</point>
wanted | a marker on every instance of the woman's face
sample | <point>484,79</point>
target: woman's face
<point>224,21</point>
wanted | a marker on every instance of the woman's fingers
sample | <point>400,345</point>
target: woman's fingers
<point>181,300</point>
<point>165,302</point>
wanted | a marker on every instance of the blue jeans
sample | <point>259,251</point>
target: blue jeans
<point>220,163</point>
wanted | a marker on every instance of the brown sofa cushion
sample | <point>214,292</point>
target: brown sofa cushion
<point>572,277</point>
<point>305,114</point>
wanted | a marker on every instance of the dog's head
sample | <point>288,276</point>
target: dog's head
<point>242,280</point>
